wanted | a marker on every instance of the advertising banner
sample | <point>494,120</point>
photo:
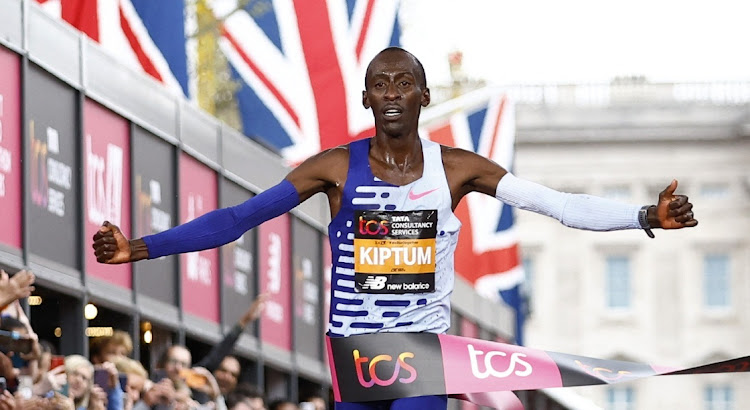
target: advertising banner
<point>10,149</point>
<point>307,279</point>
<point>392,365</point>
<point>200,270</point>
<point>274,271</point>
<point>155,204</point>
<point>52,153</point>
<point>106,183</point>
<point>239,279</point>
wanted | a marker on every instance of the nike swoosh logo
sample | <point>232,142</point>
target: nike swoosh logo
<point>414,196</point>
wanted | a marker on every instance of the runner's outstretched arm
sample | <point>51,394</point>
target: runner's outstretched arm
<point>472,172</point>
<point>210,230</point>
<point>224,225</point>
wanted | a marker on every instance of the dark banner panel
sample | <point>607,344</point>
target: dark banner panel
<point>237,263</point>
<point>155,204</point>
<point>106,161</point>
<point>307,279</point>
<point>51,109</point>
<point>274,271</point>
<point>10,149</point>
<point>200,270</point>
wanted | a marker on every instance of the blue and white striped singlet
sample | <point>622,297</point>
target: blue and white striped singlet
<point>356,313</point>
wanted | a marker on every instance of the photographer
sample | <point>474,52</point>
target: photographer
<point>88,395</point>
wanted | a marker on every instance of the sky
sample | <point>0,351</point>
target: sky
<point>580,41</point>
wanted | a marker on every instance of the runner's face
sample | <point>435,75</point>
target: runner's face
<point>394,93</point>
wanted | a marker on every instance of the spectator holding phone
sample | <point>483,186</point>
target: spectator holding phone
<point>134,381</point>
<point>104,394</point>
<point>22,349</point>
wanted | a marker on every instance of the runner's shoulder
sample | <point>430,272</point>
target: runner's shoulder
<point>457,157</point>
<point>332,161</point>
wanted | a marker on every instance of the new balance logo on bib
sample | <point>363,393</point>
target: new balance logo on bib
<point>394,251</point>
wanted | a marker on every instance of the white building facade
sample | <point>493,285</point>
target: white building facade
<point>681,299</point>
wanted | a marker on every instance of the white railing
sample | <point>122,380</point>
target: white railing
<point>621,93</point>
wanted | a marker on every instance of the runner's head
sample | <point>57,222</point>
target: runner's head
<point>396,90</point>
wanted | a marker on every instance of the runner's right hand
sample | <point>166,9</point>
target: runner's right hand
<point>110,245</point>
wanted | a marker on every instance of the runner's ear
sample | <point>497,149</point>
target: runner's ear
<point>365,100</point>
<point>426,97</point>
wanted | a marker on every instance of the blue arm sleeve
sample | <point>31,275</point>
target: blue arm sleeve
<point>224,225</point>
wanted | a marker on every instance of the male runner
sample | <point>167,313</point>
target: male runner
<point>393,231</point>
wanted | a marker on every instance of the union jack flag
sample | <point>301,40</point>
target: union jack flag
<point>487,254</point>
<point>301,64</point>
<point>146,35</point>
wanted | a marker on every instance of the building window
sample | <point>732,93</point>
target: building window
<point>715,190</point>
<point>527,290</point>
<point>718,398</point>
<point>620,398</point>
<point>716,281</point>
<point>618,282</point>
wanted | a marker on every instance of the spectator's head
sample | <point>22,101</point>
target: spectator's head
<point>227,374</point>
<point>120,344</point>
<point>317,402</point>
<point>80,373</point>
<point>282,404</point>
<point>96,347</point>
<point>106,348</point>
<point>174,360</point>
<point>137,376</point>
<point>249,395</point>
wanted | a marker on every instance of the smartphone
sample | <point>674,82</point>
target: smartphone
<point>123,381</point>
<point>56,361</point>
<point>64,390</point>
<point>158,375</point>
<point>15,342</point>
<point>3,385</point>
<point>101,378</point>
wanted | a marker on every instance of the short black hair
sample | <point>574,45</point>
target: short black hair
<point>249,390</point>
<point>421,76</point>
<point>276,404</point>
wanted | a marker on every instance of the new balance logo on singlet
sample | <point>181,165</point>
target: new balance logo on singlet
<point>374,282</point>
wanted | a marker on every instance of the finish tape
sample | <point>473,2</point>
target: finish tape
<point>387,366</point>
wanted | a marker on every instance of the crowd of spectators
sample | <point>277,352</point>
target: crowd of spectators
<point>34,376</point>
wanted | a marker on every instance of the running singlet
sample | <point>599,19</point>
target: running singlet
<point>392,250</point>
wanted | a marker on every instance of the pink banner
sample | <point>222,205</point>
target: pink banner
<point>10,149</point>
<point>275,279</point>
<point>473,365</point>
<point>385,366</point>
<point>199,270</point>
<point>106,184</point>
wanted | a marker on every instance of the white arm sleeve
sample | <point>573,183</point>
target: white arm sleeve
<point>573,210</point>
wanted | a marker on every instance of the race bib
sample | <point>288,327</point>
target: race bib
<point>394,251</point>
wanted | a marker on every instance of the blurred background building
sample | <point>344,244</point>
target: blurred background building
<point>680,299</point>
